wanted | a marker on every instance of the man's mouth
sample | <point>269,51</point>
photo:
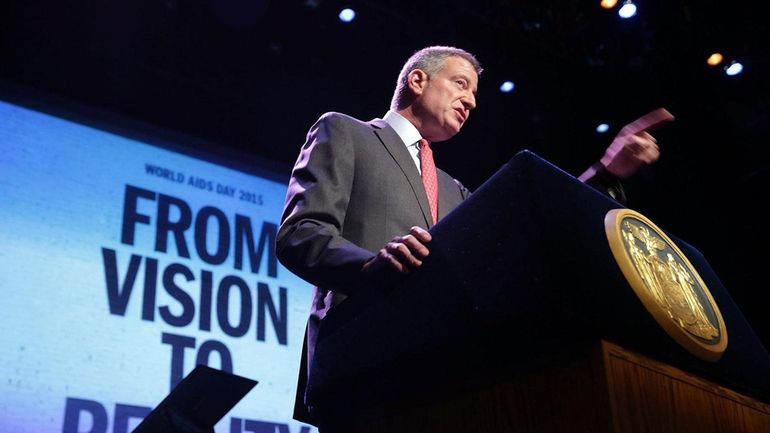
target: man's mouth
<point>461,113</point>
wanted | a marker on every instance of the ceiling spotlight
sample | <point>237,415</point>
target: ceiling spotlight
<point>347,15</point>
<point>627,10</point>
<point>507,87</point>
<point>602,128</point>
<point>715,59</point>
<point>608,4</point>
<point>734,68</point>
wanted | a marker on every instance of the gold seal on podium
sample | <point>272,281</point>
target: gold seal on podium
<point>666,283</point>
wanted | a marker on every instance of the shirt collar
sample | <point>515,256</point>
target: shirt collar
<point>403,127</point>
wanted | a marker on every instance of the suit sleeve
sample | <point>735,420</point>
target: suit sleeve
<point>464,192</point>
<point>310,241</point>
<point>605,182</point>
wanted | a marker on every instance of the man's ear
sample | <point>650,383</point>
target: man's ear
<point>417,80</point>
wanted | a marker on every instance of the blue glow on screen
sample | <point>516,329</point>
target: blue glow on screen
<point>93,305</point>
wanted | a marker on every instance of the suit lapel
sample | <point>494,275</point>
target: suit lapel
<point>403,159</point>
<point>449,195</point>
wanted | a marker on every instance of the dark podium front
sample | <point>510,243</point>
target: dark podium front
<point>521,288</point>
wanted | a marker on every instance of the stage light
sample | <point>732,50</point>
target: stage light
<point>507,87</point>
<point>347,15</point>
<point>627,10</point>
<point>734,68</point>
<point>608,4</point>
<point>602,128</point>
<point>715,59</point>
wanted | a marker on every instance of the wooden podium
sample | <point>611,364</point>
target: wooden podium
<point>605,390</point>
<point>521,320</point>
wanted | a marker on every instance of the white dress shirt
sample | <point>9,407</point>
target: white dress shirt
<point>408,134</point>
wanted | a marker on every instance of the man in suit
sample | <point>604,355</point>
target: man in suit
<point>356,209</point>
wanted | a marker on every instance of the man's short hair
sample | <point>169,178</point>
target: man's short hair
<point>431,60</point>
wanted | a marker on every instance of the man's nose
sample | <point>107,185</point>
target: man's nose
<point>469,101</point>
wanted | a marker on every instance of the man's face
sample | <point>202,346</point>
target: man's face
<point>446,99</point>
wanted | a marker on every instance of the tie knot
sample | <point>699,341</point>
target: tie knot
<point>424,143</point>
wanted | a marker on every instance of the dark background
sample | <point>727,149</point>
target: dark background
<point>247,78</point>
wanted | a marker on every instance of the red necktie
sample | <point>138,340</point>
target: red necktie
<point>429,177</point>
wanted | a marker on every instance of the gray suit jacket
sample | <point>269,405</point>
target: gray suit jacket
<point>354,187</point>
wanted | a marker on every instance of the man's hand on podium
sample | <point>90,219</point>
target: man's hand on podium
<point>401,254</point>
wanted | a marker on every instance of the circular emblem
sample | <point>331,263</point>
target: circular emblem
<point>666,283</point>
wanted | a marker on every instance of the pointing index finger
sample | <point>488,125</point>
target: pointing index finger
<point>648,122</point>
